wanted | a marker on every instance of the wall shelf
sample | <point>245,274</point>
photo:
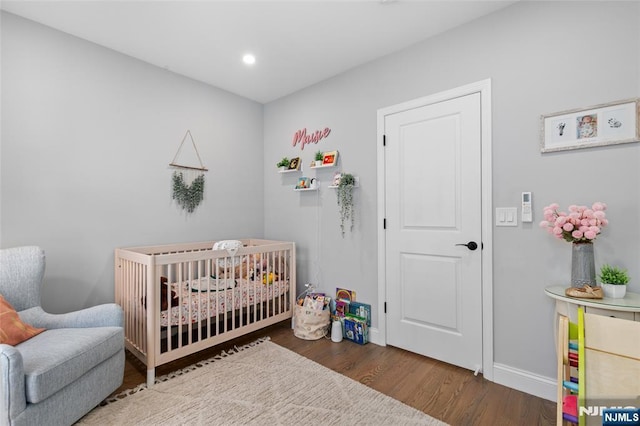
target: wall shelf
<point>324,166</point>
<point>305,189</point>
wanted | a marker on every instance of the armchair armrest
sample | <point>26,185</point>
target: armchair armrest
<point>13,398</point>
<point>105,315</point>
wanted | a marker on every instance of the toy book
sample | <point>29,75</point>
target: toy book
<point>342,307</point>
<point>355,329</point>
<point>345,294</point>
<point>362,310</point>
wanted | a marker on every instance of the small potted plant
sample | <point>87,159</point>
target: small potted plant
<point>284,163</point>
<point>318,157</point>
<point>614,281</point>
<point>345,200</point>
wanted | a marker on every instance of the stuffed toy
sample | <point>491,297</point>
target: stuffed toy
<point>264,278</point>
<point>253,267</point>
<point>164,288</point>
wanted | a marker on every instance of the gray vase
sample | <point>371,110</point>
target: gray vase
<point>583,266</point>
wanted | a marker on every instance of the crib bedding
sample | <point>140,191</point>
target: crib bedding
<point>204,298</point>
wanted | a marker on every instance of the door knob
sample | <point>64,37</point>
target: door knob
<point>471,245</point>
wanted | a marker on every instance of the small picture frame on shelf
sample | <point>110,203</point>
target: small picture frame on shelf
<point>330,158</point>
<point>294,164</point>
<point>303,183</point>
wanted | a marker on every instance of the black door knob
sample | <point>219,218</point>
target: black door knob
<point>471,245</point>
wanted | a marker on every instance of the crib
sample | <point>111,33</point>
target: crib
<point>182,298</point>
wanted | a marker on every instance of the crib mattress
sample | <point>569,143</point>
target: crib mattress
<point>200,299</point>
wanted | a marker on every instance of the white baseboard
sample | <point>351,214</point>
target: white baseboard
<point>525,381</point>
<point>374,337</point>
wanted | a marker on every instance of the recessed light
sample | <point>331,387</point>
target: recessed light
<point>249,59</point>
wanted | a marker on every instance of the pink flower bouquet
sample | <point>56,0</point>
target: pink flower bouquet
<point>580,225</point>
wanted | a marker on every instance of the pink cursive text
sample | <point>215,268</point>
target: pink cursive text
<point>302,136</point>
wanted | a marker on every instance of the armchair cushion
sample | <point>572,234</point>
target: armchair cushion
<point>69,354</point>
<point>13,330</point>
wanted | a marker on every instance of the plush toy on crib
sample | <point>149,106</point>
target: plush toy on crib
<point>264,278</point>
<point>256,267</point>
<point>268,271</point>
<point>164,289</point>
<point>227,267</point>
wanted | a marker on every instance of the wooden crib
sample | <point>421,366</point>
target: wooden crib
<point>182,298</point>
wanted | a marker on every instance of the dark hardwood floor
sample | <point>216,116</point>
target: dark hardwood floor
<point>443,391</point>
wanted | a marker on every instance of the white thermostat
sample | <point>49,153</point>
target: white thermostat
<point>527,214</point>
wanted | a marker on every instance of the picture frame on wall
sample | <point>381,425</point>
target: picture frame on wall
<point>599,125</point>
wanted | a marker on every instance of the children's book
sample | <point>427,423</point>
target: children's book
<point>362,310</point>
<point>342,307</point>
<point>355,329</point>
<point>327,302</point>
<point>345,294</point>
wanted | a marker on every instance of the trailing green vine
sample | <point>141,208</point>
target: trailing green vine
<point>188,196</point>
<point>345,201</point>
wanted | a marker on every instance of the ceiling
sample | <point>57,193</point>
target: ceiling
<point>296,43</point>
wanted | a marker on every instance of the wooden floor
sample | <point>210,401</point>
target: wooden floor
<point>443,391</point>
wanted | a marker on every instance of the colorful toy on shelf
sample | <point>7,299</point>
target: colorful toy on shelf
<point>568,371</point>
<point>570,408</point>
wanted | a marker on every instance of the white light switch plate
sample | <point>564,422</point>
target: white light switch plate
<point>506,216</point>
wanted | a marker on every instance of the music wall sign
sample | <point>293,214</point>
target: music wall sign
<point>303,138</point>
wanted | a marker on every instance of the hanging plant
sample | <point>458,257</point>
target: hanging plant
<point>188,196</point>
<point>345,201</point>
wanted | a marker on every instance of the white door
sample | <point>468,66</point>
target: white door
<point>433,206</point>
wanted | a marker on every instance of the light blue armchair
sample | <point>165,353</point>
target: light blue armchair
<point>59,375</point>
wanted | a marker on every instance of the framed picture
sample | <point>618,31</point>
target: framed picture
<point>294,164</point>
<point>599,125</point>
<point>303,183</point>
<point>330,158</point>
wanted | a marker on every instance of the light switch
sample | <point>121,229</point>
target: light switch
<point>506,216</point>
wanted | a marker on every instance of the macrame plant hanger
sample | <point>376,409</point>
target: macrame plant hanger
<point>188,181</point>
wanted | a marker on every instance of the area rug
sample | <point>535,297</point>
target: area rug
<point>259,384</point>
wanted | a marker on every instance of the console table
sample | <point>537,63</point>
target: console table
<point>608,349</point>
<point>626,308</point>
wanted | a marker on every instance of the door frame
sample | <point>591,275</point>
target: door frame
<point>484,88</point>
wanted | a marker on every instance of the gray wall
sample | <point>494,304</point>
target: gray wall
<point>87,136</point>
<point>542,57</point>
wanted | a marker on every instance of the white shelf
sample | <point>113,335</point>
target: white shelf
<point>288,171</point>
<point>305,189</point>
<point>324,166</point>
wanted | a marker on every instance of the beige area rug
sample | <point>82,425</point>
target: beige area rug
<point>259,384</point>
